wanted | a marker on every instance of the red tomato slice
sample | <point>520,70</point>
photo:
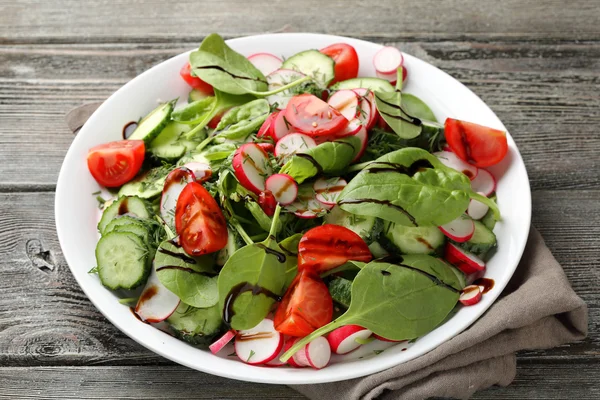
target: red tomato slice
<point>346,61</point>
<point>194,81</point>
<point>329,246</point>
<point>116,163</point>
<point>306,306</point>
<point>199,221</point>
<point>267,201</point>
<point>312,116</point>
<point>475,144</point>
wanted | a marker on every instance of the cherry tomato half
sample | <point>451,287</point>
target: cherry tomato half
<point>475,144</point>
<point>312,116</point>
<point>194,81</point>
<point>346,61</point>
<point>267,201</point>
<point>199,221</point>
<point>116,163</point>
<point>306,306</point>
<point>329,246</point>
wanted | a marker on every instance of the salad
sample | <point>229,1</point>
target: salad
<point>296,209</point>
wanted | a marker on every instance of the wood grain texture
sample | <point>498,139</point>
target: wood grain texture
<point>550,103</point>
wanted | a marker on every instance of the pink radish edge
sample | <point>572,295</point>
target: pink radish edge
<point>283,187</point>
<point>460,230</point>
<point>470,295</point>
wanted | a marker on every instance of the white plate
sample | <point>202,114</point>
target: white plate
<point>76,208</point>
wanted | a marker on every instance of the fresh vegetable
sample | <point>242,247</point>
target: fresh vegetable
<point>460,229</point>
<point>156,303</point>
<point>251,166</point>
<point>305,306</point>
<point>412,239</point>
<point>116,163</point>
<point>467,262</point>
<point>451,160</point>
<point>123,260</point>
<point>484,183</point>
<point>281,78</point>
<point>387,60</point>
<point>482,243</point>
<point>310,115</point>
<point>222,342</point>
<point>318,66</point>
<point>470,295</point>
<point>475,144</point>
<point>265,62</point>
<point>306,205</point>
<point>370,83</point>
<point>198,326</point>
<point>343,340</point>
<point>130,205</point>
<point>346,102</point>
<point>174,184</point>
<point>328,246</point>
<point>268,202</point>
<point>345,61</point>
<point>199,221</point>
<point>419,291</point>
<point>328,190</point>
<point>259,344</point>
<point>283,187</point>
<point>477,209</point>
<point>315,354</point>
<point>368,228</point>
<point>292,144</point>
<point>242,120</point>
<point>195,82</point>
<point>152,124</point>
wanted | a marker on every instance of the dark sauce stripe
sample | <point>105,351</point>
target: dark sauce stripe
<point>183,257</point>
<point>411,170</point>
<point>191,271</point>
<point>237,290</point>
<point>312,160</point>
<point>229,73</point>
<point>397,261</point>
<point>280,256</point>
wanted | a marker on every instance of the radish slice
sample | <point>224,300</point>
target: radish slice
<point>306,205</point>
<point>328,190</point>
<point>265,62</point>
<point>268,147</point>
<point>283,187</point>
<point>460,230</point>
<point>477,209</point>
<point>251,166</point>
<point>451,160</point>
<point>368,108</point>
<point>174,184</point>
<point>280,127</point>
<point>315,354</point>
<point>364,140</point>
<point>276,362</point>
<point>288,344</point>
<point>156,303</point>
<point>279,78</point>
<point>346,102</point>
<point>393,77</point>
<point>292,144</point>
<point>222,342</point>
<point>484,183</point>
<point>387,60</point>
<point>470,295</point>
<point>343,339</point>
<point>465,261</point>
<point>376,336</point>
<point>266,129</point>
<point>260,344</point>
<point>202,171</point>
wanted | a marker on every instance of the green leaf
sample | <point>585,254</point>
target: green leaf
<point>193,113</point>
<point>218,151</point>
<point>242,120</point>
<point>410,187</point>
<point>252,280</point>
<point>331,158</point>
<point>398,300</point>
<point>225,69</point>
<point>389,105</point>
<point>289,246</point>
<point>192,279</point>
<point>416,107</point>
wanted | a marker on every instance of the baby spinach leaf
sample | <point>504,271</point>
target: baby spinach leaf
<point>330,158</point>
<point>417,108</point>
<point>389,105</point>
<point>242,120</point>
<point>289,246</point>
<point>410,187</point>
<point>193,113</point>
<point>218,151</point>
<point>397,300</point>
<point>252,279</point>
<point>225,69</point>
<point>192,279</point>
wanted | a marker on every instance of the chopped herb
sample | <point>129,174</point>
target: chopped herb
<point>96,193</point>
<point>412,340</point>
<point>231,355</point>
<point>377,352</point>
<point>101,202</point>
<point>252,353</point>
<point>93,270</point>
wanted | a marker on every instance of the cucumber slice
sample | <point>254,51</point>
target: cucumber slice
<point>196,326</point>
<point>482,241</point>
<point>489,220</point>
<point>312,63</point>
<point>412,240</point>
<point>367,83</point>
<point>196,95</point>
<point>340,290</point>
<point>171,143</point>
<point>377,250</point>
<point>152,124</point>
<point>368,228</point>
<point>148,185</point>
<point>127,223</point>
<point>131,205</point>
<point>122,260</point>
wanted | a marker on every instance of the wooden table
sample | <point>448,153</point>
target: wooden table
<point>536,63</point>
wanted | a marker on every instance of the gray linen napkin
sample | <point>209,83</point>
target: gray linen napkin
<point>537,310</point>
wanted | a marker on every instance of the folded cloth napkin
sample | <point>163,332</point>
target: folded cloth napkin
<point>538,309</point>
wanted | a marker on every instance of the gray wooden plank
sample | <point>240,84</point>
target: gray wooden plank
<point>80,21</point>
<point>533,381</point>
<point>547,95</point>
<point>45,319</point>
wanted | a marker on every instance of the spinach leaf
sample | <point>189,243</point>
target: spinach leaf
<point>228,71</point>
<point>193,113</point>
<point>329,157</point>
<point>225,69</point>
<point>399,301</point>
<point>242,120</point>
<point>289,246</point>
<point>192,279</point>
<point>218,151</point>
<point>389,105</point>
<point>252,279</point>
<point>410,187</point>
<point>417,108</point>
